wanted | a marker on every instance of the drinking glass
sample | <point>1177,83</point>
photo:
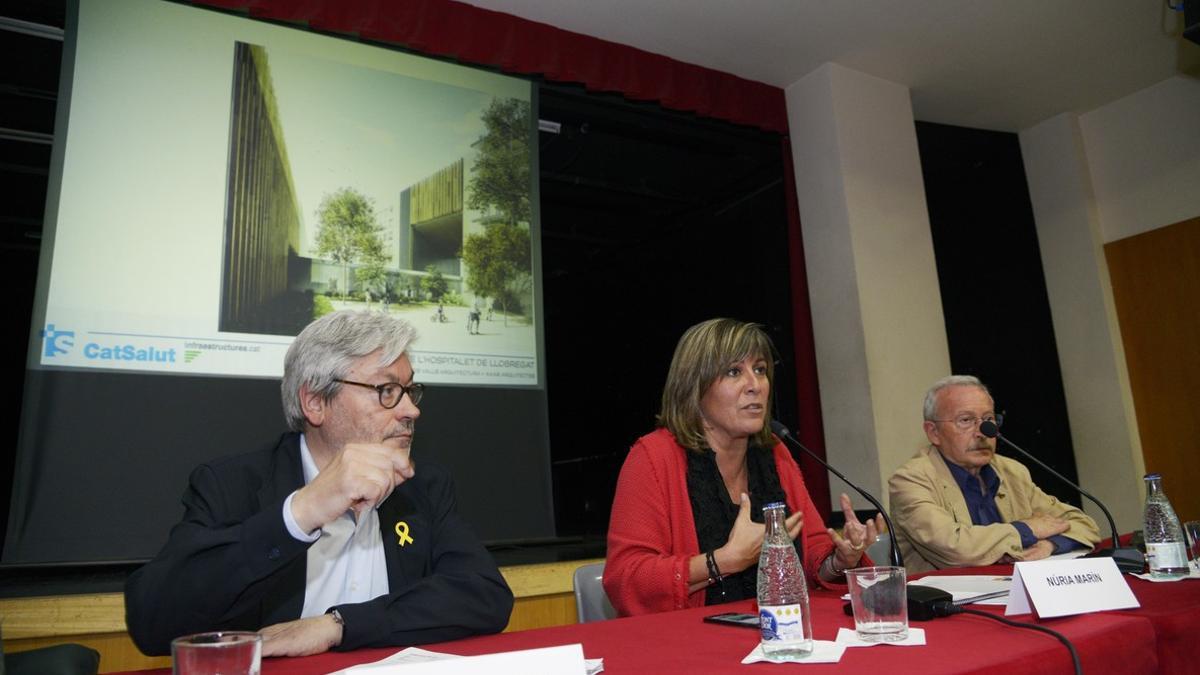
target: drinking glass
<point>221,653</point>
<point>879,602</point>
<point>1191,530</point>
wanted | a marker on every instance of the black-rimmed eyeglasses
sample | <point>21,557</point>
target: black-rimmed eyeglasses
<point>390,393</point>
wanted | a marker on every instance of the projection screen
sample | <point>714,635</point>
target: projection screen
<point>217,183</point>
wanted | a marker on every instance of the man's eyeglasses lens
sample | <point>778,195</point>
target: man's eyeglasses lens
<point>390,393</point>
<point>966,422</point>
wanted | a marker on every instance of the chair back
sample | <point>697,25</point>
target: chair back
<point>591,602</point>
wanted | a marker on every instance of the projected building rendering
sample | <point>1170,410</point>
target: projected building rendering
<point>330,205</point>
<point>277,176</point>
<point>435,214</point>
<point>262,220</point>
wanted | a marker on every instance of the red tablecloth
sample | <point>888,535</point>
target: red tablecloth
<point>1172,608</point>
<point>1159,637</point>
<point>682,642</point>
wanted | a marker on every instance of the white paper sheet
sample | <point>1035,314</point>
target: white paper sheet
<point>562,659</point>
<point>824,651</point>
<point>963,586</point>
<point>849,637</point>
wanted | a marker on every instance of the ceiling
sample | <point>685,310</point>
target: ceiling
<point>989,65</point>
<point>1001,65</point>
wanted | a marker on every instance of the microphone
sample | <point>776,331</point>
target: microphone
<point>1127,558</point>
<point>924,602</point>
<point>782,432</point>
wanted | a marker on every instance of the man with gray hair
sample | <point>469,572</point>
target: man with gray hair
<point>957,503</point>
<point>329,538</point>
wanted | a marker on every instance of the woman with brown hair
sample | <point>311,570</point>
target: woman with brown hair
<point>686,526</point>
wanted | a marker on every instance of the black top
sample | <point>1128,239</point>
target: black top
<point>715,514</point>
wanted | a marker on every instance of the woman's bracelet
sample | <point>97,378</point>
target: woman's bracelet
<point>833,570</point>
<point>714,572</point>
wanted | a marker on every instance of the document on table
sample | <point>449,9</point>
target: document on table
<point>1070,555</point>
<point>964,586</point>
<point>414,659</point>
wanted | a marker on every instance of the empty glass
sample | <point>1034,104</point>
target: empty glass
<point>880,603</point>
<point>221,653</point>
<point>1191,530</point>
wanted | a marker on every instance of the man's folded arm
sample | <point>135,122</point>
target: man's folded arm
<point>444,606</point>
<point>464,594</point>
<point>1081,527</point>
<point>938,536</point>
<point>213,570</point>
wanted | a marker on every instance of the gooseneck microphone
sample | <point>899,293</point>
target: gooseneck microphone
<point>782,432</point>
<point>1128,559</point>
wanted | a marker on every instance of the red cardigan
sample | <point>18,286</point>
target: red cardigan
<point>652,533</point>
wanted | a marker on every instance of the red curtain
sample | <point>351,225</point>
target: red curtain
<point>483,37</point>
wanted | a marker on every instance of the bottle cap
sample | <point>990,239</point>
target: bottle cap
<point>774,505</point>
<point>1153,476</point>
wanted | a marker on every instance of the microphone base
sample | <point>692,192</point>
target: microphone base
<point>1128,559</point>
<point>923,603</point>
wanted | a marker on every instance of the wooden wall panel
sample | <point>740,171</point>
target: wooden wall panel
<point>544,596</point>
<point>117,651</point>
<point>1156,288</point>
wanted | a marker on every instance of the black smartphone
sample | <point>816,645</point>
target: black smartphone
<point>734,619</point>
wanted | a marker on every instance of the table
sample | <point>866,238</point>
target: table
<point>1109,642</point>
<point>1172,609</point>
<point>1161,636</point>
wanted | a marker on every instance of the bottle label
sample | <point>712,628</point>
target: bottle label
<point>1171,554</point>
<point>781,622</point>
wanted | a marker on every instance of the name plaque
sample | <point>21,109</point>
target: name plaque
<point>1066,587</point>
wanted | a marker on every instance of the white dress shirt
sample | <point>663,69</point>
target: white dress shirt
<point>346,564</point>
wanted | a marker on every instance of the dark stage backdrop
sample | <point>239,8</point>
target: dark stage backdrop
<point>652,221</point>
<point>993,291</point>
<point>113,493</point>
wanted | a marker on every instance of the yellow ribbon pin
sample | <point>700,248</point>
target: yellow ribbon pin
<point>402,532</point>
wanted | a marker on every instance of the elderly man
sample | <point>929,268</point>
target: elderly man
<point>330,537</point>
<point>959,504</point>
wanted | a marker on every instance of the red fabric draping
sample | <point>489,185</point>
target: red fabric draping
<point>680,642</point>
<point>1172,608</point>
<point>479,36</point>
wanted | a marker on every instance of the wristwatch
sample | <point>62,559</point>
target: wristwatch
<point>337,616</point>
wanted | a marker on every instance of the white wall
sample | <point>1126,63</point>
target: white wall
<point>1125,168</point>
<point>877,314</point>
<point>1143,153</point>
<point>1095,382</point>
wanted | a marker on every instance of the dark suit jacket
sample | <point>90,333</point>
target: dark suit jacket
<point>231,564</point>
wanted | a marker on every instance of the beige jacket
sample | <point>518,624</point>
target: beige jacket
<point>933,526</point>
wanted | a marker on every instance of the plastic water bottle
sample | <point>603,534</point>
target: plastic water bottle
<point>783,613</point>
<point>1166,553</point>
